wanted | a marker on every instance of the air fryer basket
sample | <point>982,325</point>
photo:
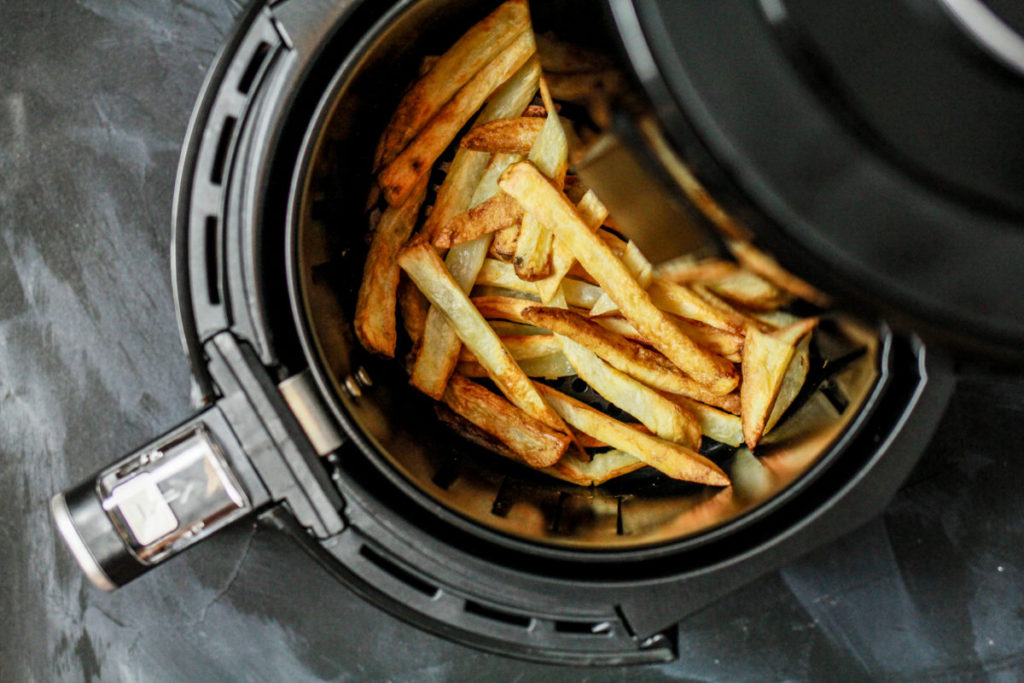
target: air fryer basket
<point>432,464</point>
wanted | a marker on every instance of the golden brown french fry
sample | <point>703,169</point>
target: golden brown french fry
<point>601,469</point>
<point>504,245</point>
<point>537,196</point>
<point>496,213</point>
<point>670,458</point>
<point>686,269</point>
<point>721,343</point>
<point>375,322</point>
<point>726,309</point>
<point>640,362</point>
<point>468,168</point>
<point>509,136</point>
<point>504,328</point>
<point>766,358</point>
<point>686,303</point>
<point>456,67</point>
<point>768,268</point>
<point>502,308</point>
<point>400,176</point>
<point>425,268</point>
<point>750,291</point>
<point>534,442</point>
<point>522,347</point>
<point>414,307</point>
<point>546,367</point>
<point>537,111</point>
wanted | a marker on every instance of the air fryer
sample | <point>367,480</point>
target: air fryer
<point>305,431</point>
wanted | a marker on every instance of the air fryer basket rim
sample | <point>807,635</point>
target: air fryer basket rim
<point>332,382</point>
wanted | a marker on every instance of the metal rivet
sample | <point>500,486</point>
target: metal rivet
<point>363,377</point>
<point>352,387</point>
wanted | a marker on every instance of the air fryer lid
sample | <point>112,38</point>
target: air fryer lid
<point>875,147</point>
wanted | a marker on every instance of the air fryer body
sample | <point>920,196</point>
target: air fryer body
<point>309,426</point>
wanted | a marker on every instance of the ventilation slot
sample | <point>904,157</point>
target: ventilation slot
<point>253,68</point>
<point>212,261</point>
<point>397,572</point>
<point>221,157</point>
<point>498,615</point>
<point>584,628</point>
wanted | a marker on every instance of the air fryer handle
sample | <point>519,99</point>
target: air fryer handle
<point>260,444</point>
<point>157,501</point>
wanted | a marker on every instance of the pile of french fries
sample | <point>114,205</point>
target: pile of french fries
<point>514,275</point>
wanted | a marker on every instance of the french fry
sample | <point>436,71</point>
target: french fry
<point>726,309</point>
<point>554,366</point>
<point>502,308</point>
<point>721,343</point>
<point>768,268</point>
<point>456,67</point>
<point>413,307</point>
<point>550,155</point>
<point>536,195</point>
<point>625,355</point>
<point>375,322</point>
<point>584,87</point>
<point>500,274</point>
<point>425,268</point>
<point>504,245</point>
<point>792,382</point>
<point>670,458</point>
<point>534,442</point>
<point>686,303</point>
<point>510,136</point>
<point>714,423</point>
<point>750,291</point>
<point>467,169</point>
<point>400,176</point>
<point>504,328</point>
<point>496,213</point>
<point>522,347</point>
<point>766,358</point>
<point>593,213</point>
<point>686,269</point>
<point>600,470</point>
<point>640,268</point>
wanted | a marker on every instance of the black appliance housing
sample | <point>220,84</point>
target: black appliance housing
<point>284,435</point>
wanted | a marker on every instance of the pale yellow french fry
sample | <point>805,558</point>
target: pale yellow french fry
<point>640,268</point>
<point>750,291</point>
<point>425,268</point>
<point>522,347</point>
<point>670,458</point>
<point>550,155</point>
<point>375,321</point>
<point>602,468</point>
<point>535,443</point>
<point>400,176</point>
<point>536,195</point>
<point>475,49</point>
<point>766,358</point>
<point>593,213</point>
<point>714,423</point>
<point>792,382</point>
<point>500,274</point>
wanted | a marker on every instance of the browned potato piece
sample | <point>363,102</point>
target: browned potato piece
<point>375,322</point>
<point>400,176</point>
<point>533,442</point>
<point>510,136</point>
<point>602,468</point>
<point>672,459</point>
<point>448,74</point>
<point>497,213</point>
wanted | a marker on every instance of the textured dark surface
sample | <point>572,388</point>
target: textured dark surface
<point>94,99</point>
